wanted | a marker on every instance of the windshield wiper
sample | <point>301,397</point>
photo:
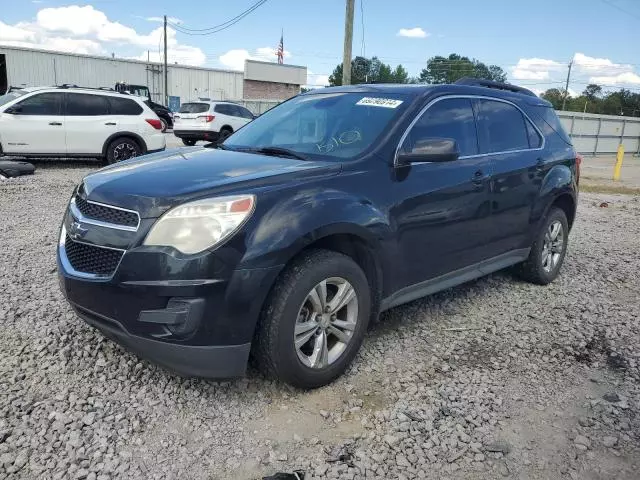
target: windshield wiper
<point>278,152</point>
<point>217,145</point>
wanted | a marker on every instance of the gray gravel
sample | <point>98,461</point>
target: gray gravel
<point>496,378</point>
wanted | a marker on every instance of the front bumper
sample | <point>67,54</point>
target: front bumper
<point>195,315</point>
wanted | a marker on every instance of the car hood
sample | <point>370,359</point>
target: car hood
<point>153,183</point>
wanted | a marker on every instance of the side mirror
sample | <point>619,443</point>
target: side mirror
<point>430,150</point>
<point>14,110</point>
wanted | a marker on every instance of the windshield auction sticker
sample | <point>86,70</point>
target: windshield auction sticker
<point>379,102</point>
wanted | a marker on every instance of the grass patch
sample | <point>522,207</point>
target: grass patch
<point>595,188</point>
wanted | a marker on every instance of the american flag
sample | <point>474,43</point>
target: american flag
<point>280,52</point>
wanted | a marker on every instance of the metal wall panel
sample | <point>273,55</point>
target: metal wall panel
<point>601,134</point>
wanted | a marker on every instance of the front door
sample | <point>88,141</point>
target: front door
<point>514,147</point>
<point>36,125</point>
<point>442,219</point>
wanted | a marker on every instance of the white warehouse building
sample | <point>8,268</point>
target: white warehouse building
<point>30,67</point>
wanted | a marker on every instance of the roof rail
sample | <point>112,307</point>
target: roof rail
<point>69,85</point>
<point>479,82</point>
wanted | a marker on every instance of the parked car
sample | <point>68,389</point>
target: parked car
<point>77,122</point>
<point>164,114</point>
<point>206,120</point>
<point>288,238</point>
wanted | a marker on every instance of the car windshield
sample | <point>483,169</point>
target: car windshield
<point>334,125</point>
<point>11,96</point>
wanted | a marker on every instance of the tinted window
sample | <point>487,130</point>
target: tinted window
<point>501,127</point>
<point>535,140</point>
<point>225,109</point>
<point>244,113</point>
<point>550,119</point>
<point>123,106</point>
<point>451,118</point>
<point>42,104</point>
<point>194,108</point>
<point>82,104</point>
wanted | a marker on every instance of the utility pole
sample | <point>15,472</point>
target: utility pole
<point>566,87</point>
<point>348,41</point>
<point>166,83</point>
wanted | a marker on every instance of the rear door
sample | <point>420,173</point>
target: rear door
<point>191,116</point>
<point>241,116</point>
<point>514,147</point>
<point>224,113</point>
<point>88,123</point>
<point>36,126</point>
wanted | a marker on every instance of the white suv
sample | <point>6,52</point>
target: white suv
<point>204,120</point>
<point>77,122</point>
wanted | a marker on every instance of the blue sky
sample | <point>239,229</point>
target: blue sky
<point>533,42</point>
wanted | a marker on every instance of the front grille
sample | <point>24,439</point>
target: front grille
<point>91,259</point>
<point>106,214</point>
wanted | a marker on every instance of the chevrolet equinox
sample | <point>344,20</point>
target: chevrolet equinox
<point>284,241</point>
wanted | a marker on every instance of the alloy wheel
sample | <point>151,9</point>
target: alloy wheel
<point>124,151</point>
<point>326,322</point>
<point>552,246</point>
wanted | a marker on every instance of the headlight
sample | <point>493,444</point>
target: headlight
<point>196,226</point>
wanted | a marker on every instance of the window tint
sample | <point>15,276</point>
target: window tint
<point>451,118</point>
<point>42,104</point>
<point>82,104</point>
<point>550,118</point>
<point>245,113</point>
<point>501,127</point>
<point>194,108</point>
<point>123,106</point>
<point>535,141</point>
<point>224,109</point>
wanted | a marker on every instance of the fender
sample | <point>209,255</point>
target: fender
<point>558,181</point>
<point>138,138</point>
<point>310,215</point>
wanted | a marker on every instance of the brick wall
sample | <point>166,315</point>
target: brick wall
<point>269,90</point>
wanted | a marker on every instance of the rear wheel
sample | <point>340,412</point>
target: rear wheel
<point>548,250</point>
<point>314,321</point>
<point>121,149</point>
<point>189,142</point>
<point>225,132</point>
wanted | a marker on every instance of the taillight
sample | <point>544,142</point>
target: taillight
<point>578,164</point>
<point>207,118</point>
<point>155,123</point>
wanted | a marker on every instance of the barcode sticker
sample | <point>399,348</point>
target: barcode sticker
<point>379,102</point>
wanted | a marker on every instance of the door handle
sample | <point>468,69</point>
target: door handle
<point>57,124</point>
<point>110,123</point>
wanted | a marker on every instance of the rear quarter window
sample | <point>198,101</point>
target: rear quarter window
<point>123,106</point>
<point>194,108</point>
<point>550,121</point>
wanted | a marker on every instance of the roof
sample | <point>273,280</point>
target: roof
<point>465,87</point>
<point>98,91</point>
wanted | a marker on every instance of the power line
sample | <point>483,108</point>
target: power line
<point>218,28</point>
<point>611,4</point>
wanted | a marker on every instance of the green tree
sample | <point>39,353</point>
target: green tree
<point>592,91</point>
<point>454,67</point>
<point>370,70</point>
<point>555,96</point>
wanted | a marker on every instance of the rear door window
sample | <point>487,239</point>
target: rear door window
<point>551,122</point>
<point>194,108</point>
<point>501,127</point>
<point>123,106</point>
<point>42,104</point>
<point>86,105</point>
<point>448,118</point>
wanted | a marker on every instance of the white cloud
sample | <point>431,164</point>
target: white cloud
<point>86,30</point>
<point>161,19</point>
<point>234,59</point>
<point>628,78</point>
<point>315,80</point>
<point>416,32</point>
<point>534,69</point>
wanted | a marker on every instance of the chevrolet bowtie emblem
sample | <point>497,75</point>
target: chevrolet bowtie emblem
<point>77,231</point>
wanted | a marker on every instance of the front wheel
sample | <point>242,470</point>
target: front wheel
<point>314,320</point>
<point>548,250</point>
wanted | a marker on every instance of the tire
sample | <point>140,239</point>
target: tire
<point>189,142</point>
<point>224,134</point>
<point>165,125</point>
<point>275,352</point>
<point>122,148</point>
<point>541,267</point>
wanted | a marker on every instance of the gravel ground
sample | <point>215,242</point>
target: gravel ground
<point>496,378</point>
